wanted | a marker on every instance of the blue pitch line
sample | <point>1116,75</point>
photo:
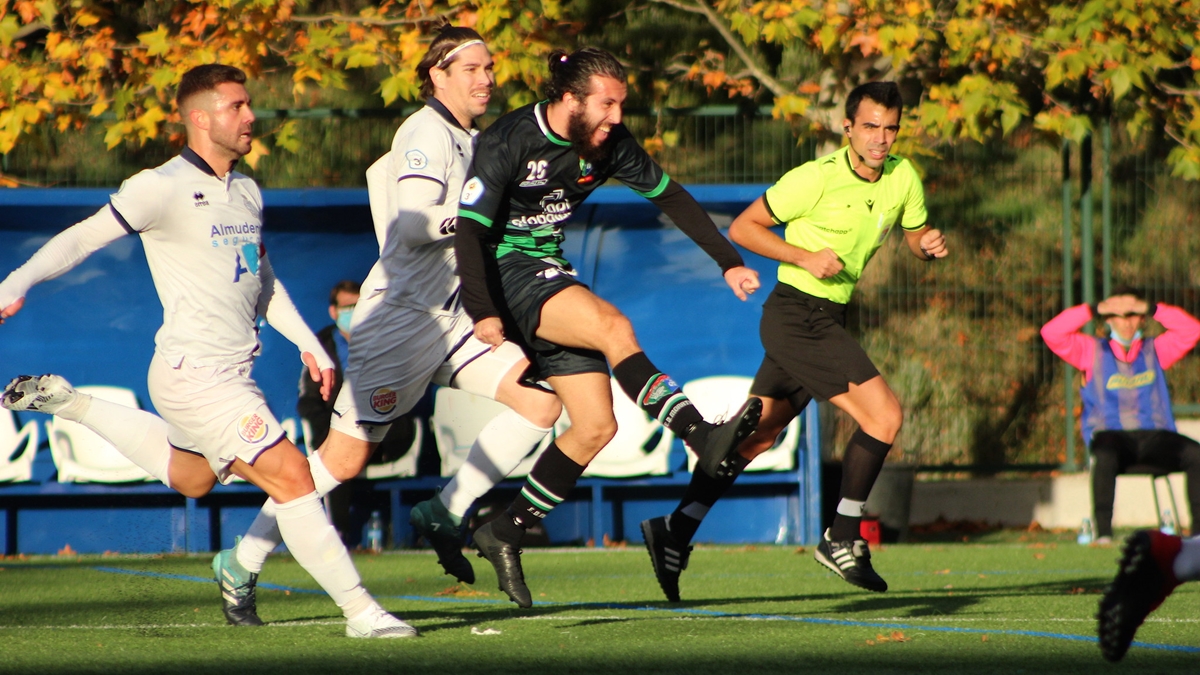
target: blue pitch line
<point>688,611</point>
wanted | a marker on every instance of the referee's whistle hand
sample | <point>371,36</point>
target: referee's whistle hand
<point>490,331</point>
<point>743,281</point>
<point>11,309</point>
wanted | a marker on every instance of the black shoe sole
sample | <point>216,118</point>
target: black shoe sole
<point>1114,617</point>
<point>727,437</point>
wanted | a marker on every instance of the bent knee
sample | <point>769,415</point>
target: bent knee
<point>194,487</point>
<point>542,410</point>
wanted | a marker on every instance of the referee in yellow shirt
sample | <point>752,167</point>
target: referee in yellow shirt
<point>837,210</point>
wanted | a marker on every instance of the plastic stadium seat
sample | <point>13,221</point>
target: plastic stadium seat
<point>16,460</point>
<point>720,396</point>
<point>82,456</point>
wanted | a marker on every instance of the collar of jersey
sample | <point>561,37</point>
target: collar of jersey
<point>442,110</point>
<point>539,113</point>
<point>845,150</point>
<point>197,161</point>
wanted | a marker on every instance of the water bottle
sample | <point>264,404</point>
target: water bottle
<point>1168,522</point>
<point>1086,533</point>
<point>375,533</point>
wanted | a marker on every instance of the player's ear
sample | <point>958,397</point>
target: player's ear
<point>438,77</point>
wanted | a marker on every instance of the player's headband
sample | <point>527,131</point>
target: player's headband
<point>450,54</point>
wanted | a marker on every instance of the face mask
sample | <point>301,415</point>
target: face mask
<point>1122,341</point>
<point>343,319</point>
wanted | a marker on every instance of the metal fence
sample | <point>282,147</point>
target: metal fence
<point>957,339</point>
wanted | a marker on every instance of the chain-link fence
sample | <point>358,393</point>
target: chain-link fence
<point>958,339</point>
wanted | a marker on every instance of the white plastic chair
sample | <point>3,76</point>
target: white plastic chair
<point>457,419</point>
<point>16,462</point>
<point>721,396</point>
<point>642,446</point>
<point>84,457</point>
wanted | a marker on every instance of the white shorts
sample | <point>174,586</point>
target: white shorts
<point>396,352</point>
<point>217,412</point>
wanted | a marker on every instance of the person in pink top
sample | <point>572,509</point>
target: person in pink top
<point>1127,418</point>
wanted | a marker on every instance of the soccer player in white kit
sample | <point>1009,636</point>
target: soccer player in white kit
<point>201,225</point>
<point>409,328</point>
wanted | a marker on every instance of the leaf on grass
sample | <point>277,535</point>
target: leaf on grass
<point>460,591</point>
<point>945,571</point>
<point>983,638</point>
<point>1039,556</point>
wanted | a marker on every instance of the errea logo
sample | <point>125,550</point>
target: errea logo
<point>199,197</point>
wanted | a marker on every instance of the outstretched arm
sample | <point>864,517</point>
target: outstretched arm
<point>58,256</point>
<point>276,306</point>
<point>694,221</point>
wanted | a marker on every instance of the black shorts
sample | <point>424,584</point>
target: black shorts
<point>808,351</point>
<point>528,283</point>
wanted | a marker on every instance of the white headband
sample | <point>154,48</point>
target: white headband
<point>450,54</point>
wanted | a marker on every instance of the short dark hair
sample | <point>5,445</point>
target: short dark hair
<point>448,38</point>
<point>1125,289</point>
<point>573,72</point>
<point>206,78</point>
<point>345,286</point>
<point>886,94</point>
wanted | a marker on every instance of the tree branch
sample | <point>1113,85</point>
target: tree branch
<point>760,73</point>
<point>370,21</point>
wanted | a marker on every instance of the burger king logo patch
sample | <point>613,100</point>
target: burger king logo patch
<point>252,428</point>
<point>383,400</point>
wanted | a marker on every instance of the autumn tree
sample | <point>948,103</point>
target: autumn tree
<point>67,62</point>
<point>978,68</point>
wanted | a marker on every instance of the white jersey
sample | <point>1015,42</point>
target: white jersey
<point>203,241</point>
<point>416,236</point>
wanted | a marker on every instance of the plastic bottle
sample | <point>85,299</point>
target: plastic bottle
<point>1087,534</point>
<point>1168,522</point>
<point>375,533</point>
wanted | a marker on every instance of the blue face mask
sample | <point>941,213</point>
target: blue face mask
<point>343,319</point>
<point>1122,341</point>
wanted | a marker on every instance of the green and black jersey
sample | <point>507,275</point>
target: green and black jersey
<point>825,204</point>
<point>526,181</point>
<point>532,180</point>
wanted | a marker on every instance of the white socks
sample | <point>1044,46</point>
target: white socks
<point>851,507</point>
<point>498,449</point>
<point>263,535</point>
<point>137,434</point>
<point>316,546</point>
<point>1187,563</point>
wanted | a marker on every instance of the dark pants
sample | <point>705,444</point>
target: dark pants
<point>1116,452</point>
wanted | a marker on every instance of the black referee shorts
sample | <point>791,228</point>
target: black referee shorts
<point>528,283</point>
<point>808,351</point>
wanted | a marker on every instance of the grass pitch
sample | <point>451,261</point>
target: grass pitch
<point>952,608</point>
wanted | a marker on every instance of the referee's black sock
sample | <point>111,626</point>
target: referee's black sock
<point>860,467</point>
<point>657,394</point>
<point>548,484</point>
<point>702,492</point>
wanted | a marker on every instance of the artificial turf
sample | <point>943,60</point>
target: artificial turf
<point>952,608</point>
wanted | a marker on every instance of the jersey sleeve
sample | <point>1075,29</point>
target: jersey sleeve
<point>492,169</point>
<point>138,204</point>
<point>915,216</point>
<point>634,167</point>
<point>421,155</point>
<point>795,194</point>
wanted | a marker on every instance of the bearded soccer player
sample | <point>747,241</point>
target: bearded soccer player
<point>532,168</point>
<point>837,210</point>
<point>201,225</point>
<point>408,326</point>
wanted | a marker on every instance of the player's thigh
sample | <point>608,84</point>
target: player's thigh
<point>498,374</point>
<point>576,317</point>
<point>216,411</point>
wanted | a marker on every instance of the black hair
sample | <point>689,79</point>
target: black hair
<point>1125,289</point>
<point>206,78</point>
<point>573,72</point>
<point>343,287</point>
<point>886,94</point>
<point>448,38</point>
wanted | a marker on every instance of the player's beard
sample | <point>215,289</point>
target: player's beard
<point>580,133</point>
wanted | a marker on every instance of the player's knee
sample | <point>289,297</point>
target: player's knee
<point>595,435</point>
<point>194,487</point>
<point>541,410</point>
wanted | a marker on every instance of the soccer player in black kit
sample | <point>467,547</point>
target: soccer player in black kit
<point>531,169</point>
